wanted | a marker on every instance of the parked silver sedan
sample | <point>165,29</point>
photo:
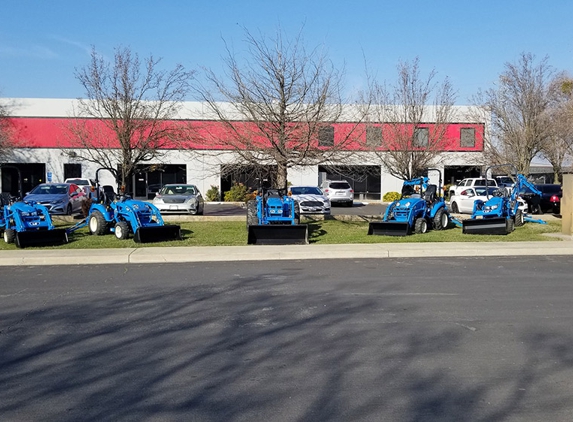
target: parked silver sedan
<point>179,198</point>
<point>310,199</point>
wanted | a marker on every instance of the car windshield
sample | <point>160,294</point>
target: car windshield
<point>306,191</point>
<point>178,190</point>
<point>339,185</point>
<point>49,190</point>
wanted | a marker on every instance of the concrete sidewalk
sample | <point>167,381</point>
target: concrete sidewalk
<point>149,255</point>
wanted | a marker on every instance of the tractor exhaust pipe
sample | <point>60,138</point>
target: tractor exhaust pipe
<point>163,233</point>
<point>389,229</point>
<point>486,226</point>
<point>53,237</point>
<point>278,234</point>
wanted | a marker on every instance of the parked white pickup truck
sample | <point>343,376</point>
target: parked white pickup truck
<point>470,183</point>
<point>87,185</point>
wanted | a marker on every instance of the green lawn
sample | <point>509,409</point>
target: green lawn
<point>216,233</point>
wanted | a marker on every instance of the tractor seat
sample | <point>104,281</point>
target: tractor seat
<point>430,194</point>
<point>272,193</point>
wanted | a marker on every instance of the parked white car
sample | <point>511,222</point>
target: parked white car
<point>310,199</point>
<point>470,182</point>
<point>179,198</point>
<point>464,202</point>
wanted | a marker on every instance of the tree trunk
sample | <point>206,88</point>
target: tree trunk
<point>282,176</point>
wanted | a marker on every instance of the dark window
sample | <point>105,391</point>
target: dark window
<point>467,137</point>
<point>340,185</point>
<point>421,135</point>
<point>373,136</point>
<point>72,171</point>
<point>326,136</point>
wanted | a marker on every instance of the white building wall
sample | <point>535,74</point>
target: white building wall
<point>303,176</point>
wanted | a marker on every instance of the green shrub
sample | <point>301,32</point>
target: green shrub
<point>237,193</point>
<point>213,194</point>
<point>391,196</point>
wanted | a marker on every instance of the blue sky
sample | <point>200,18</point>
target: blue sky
<point>42,42</point>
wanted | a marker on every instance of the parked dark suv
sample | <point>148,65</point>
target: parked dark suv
<point>550,198</point>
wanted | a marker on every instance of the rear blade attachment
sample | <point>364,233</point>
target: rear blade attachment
<point>278,234</point>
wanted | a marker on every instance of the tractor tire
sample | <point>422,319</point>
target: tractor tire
<point>510,225</point>
<point>455,208</point>
<point>97,224</point>
<point>252,217</point>
<point>519,218</point>
<point>441,219</point>
<point>421,226</point>
<point>296,213</point>
<point>122,230</point>
<point>9,235</point>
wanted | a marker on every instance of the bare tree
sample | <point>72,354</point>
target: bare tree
<point>407,121</point>
<point>7,141</point>
<point>518,106</point>
<point>132,102</point>
<point>278,106</point>
<point>558,145</point>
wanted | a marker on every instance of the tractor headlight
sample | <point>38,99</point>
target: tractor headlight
<point>491,208</point>
<point>407,204</point>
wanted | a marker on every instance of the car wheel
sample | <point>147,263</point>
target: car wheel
<point>201,211</point>
<point>350,204</point>
<point>97,224</point>
<point>252,217</point>
<point>519,219</point>
<point>455,208</point>
<point>441,219</point>
<point>122,230</point>
<point>9,235</point>
<point>69,209</point>
<point>421,226</point>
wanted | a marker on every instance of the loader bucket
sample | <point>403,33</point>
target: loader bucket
<point>157,233</point>
<point>388,228</point>
<point>485,226</point>
<point>41,238</point>
<point>278,234</point>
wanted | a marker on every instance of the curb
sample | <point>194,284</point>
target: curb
<point>191,254</point>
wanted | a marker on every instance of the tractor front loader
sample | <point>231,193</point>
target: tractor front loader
<point>273,218</point>
<point>420,208</point>
<point>30,224</point>
<point>500,214</point>
<point>126,216</point>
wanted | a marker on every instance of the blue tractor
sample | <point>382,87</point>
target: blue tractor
<point>500,214</point>
<point>124,217</point>
<point>29,224</point>
<point>273,218</point>
<point>421,207</point>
